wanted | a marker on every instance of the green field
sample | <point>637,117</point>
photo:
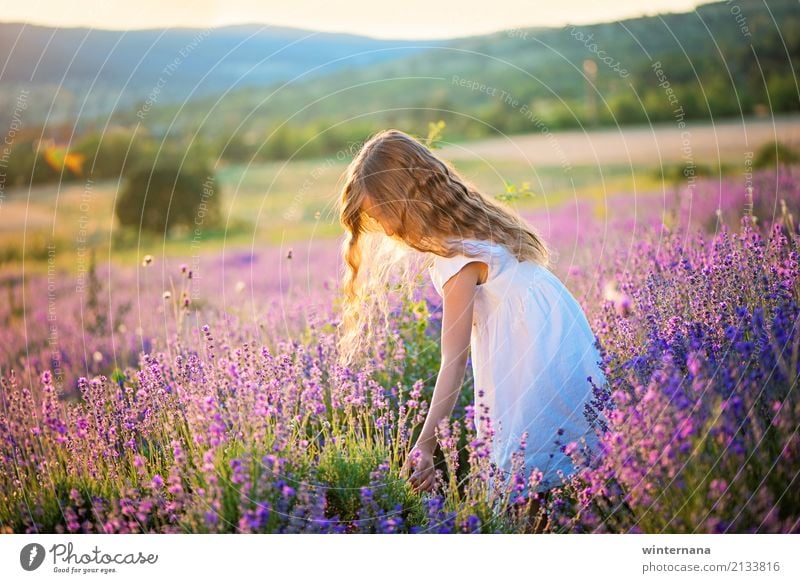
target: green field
<point>263,204</point>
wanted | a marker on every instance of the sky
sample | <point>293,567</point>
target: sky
<point>408,19</point>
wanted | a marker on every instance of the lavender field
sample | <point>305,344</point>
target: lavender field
<point>202,394</point>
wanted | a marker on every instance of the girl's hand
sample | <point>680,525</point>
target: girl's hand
<point>423,476</point>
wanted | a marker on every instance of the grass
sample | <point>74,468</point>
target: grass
<point>263,204</point>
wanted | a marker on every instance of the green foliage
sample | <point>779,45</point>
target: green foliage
<point>110,154</point>
<point>514,192</point>
<point>434,134</point>
<point>678,173</point>
<point>774,154</point>
<point>26,165</point>
<point>345,470</point>
<point>161,195</point>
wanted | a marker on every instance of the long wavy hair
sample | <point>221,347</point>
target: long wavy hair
<point>433,208</point>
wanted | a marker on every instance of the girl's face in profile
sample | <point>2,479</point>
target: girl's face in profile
<point>375,212</point>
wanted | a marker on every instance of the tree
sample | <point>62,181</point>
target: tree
<point>774,154</point>
<point>109,154</point>
<point>159,196</point>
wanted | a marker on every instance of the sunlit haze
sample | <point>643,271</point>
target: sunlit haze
<point>414,19</point>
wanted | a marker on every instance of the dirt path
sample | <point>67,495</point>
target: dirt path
<point>697,143</point>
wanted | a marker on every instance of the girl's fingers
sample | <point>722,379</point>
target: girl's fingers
<point>406,469</point>
<point>420,477</point>
<point>427,484</point>
<point>421,474</point>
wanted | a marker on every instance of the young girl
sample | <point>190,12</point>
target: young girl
<point>531,345</point>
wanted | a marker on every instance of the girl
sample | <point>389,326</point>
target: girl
<point>531,345</point>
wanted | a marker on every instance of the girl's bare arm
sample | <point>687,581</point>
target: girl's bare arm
<point>458,300</point>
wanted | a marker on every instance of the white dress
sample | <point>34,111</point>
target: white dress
<point>532,350</point>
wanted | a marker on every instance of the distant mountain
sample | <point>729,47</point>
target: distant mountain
<point>167,65</point>
<point>720,60</point>
<point>313,93</point>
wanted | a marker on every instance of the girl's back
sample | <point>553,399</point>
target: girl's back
<point>532,351</point>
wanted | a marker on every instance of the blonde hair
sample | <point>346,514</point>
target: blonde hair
<point>433,207</point>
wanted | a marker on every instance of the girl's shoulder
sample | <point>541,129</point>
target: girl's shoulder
<point>443,268</point>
